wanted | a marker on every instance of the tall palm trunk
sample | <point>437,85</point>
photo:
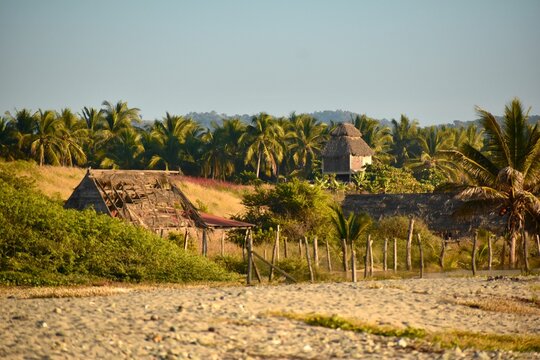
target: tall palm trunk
<point>259,162</point>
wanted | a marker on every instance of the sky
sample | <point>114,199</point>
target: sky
<point>431,60</point>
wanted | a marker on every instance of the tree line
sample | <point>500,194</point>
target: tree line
<point>268,147</point>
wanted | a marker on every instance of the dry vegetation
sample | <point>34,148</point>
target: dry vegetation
<point>504,304</point>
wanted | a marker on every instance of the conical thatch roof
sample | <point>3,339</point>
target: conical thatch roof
<point>346,140</point>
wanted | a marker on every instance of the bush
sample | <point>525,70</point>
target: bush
<point>42,243</point>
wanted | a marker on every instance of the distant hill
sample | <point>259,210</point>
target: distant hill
<point>205,119</point>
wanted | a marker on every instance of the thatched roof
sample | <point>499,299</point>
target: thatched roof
<point>346,140</point>
<point>145,198</point>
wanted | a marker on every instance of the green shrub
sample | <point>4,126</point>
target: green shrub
<point>232,263</point>
<point>41,243</point>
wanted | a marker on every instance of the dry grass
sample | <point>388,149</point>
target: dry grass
<point>503,304</point>
<point>423,339</point>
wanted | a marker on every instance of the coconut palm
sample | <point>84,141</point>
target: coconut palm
<point>23,124</point>
<point>8,141</point>
<point>73,133</point>
<point>264,138</point>
<point>46,145</point>
<point>471,135</point>
<point>169,135</point>
<point>506,176</point>
<point>125,150</point>
<point>405,145</point>
<point>93,118</point>
<point>379,138</point>
<point>117,117</point>
<point>305,142</point>
<point>433,142</point>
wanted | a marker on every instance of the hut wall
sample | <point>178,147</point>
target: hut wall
<point>358,162</point>
<point>337,165</point>
<point>86,195</point>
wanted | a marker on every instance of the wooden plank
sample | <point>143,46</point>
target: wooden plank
<point>275,267</point>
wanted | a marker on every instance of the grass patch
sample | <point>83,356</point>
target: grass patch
<point>520,306</point>
<point>448,339</point>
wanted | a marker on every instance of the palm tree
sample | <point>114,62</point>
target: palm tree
<point>306,138</point>
<point>405,145</point>
<point>264,138</point>
<point>471,135</point>
<point>8,140</point>
<point>46,144</point>
<point>23,124</point>
<point>506,176</point>
<point>117,117</point>
<point>379,138</point>
<point>349,228</point>
<point>93,118</point>
<point>169,135</point>
<point>73,135</point>
<point>433,142</point>
<point>125,150</point>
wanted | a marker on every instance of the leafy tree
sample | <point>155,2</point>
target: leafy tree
<point>381,178</point>
<point>73,134</point>
<point>506,175</point>
<point>23,123</point>
<point>93,118</point>
<point>169,135</point>
<point>124,151</point>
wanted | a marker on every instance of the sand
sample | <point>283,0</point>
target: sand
<point>238,322</point>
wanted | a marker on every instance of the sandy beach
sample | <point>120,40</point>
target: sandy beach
<point>204,322</point>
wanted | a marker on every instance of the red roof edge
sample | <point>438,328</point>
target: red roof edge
<point>219,222</point>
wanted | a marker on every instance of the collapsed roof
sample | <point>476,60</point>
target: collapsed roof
<point>146,198</point>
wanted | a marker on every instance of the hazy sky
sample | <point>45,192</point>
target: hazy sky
<point>432,60</point>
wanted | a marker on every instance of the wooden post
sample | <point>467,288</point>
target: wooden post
<point>473,258</point>
<point>353,263</point>
<point>421,256</point>
<point>328,259</point>
<point>285,247</point>
<point>244,244</point>
<point>257,273</point>
<point>311,275</point>
<point>205,243</point>
<point>366,257</point>
<point>264,254</point>
<point>300,251</point>
<point>186,239</point>
<point>538,243</point>
<point>316,251</point>
<point>395,254</point>
<point>441,257</point>
<point>344,251</point>
<point>223,243</point>
<point>525,250</point>
<point>250,258</point>
<point>275,267</point>
<point>503,253</point>
<point>277,243</point>
<point>409,242</point>
<point>370,257</point>
<point>274,257</point>
<point>385,254</point>
<point>490,252</point>
<point>161,233</point>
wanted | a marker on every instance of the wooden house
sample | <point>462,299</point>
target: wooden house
<point>346,153</point>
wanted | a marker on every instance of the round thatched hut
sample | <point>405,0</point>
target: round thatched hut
<point>346,152</point>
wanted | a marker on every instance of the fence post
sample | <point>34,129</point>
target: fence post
<point>385,254</point>
<point>441,257</point>
<point>395,254</point>
<point>223,243</point>
<point>538,243</point>
<point>186,239</point>
<point>328,259</point>
<point>205,243</point>
<point>353,263</point>
<point>250,257</point>
<point>490,252</point>
<point>277,242</point>
<point>473,257</point>
<point>409,242</point>
<point>366,257</point>
<point>285,247</point>
<point>316,251</point>
<point>274,256</point>
<point>421,256</point>
<point>311,276</point>
<point>370,257</point>
<point>525,250</point>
